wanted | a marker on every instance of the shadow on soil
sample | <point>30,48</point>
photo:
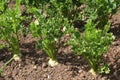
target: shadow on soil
<point>29,50</point>
<point>115,29</point>
<point>73,60</point>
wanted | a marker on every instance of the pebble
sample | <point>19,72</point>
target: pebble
<point>34,67</point>
<point>44,65</point>
<point>80,71</point>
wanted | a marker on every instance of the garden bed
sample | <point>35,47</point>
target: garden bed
<point>33,64</point>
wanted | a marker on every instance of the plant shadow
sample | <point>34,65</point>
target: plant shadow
<point>29,51</point>
<point>115,29</point>
<point>70,59</point>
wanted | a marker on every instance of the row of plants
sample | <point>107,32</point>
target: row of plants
<point>49,20</point>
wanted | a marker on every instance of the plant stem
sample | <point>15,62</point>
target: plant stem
<point>16,50</point>
<point>4,65</point>
<point>92,64</point>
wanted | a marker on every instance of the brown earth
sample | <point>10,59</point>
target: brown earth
<point>33,64</point>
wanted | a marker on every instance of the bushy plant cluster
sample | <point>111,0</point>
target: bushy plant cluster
<point>10,20</point>
<point>49,20</point>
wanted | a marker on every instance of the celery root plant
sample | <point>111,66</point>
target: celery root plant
<point>92,45</point>
<point>10,26</point>
<point>49,30</point>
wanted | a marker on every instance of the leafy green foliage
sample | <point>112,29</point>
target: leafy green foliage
<point>10,25</point>
<point>49,26</point>
<point>49,31</point>
<point>104,10</point>
<point>92,44</point>
<point>3,6</point>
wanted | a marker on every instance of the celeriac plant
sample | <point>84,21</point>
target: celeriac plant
<point>104,9</point>
<point>92,44</point>
<point>10,26</point>
<point>49,31</point>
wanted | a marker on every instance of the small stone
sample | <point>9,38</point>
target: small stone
<point>44,65</point>
<point>80,71</point>
<point>34,67</point>
<point>33,62</point>
<point>19,65</point>
<point>45,76</point>
<point>115,66</point>
<point>104,78</point>
<point>48,77</point>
